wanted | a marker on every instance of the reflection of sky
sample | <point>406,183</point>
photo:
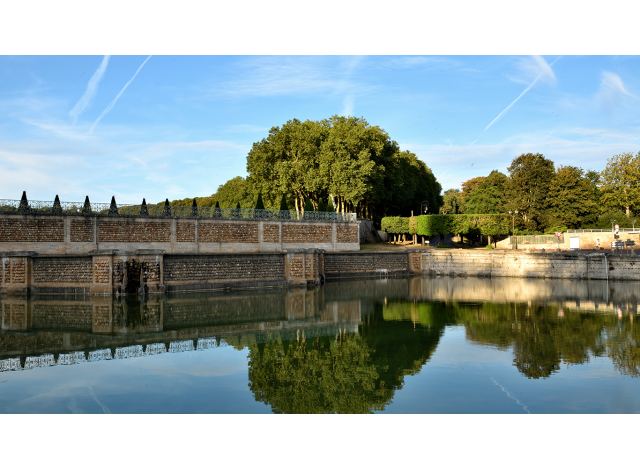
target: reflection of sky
<point>462,377</point>
<point>210,381</point>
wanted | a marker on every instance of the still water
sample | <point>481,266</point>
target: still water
<point>419,345</point>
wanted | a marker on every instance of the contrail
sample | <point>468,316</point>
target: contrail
<point>112,104</point>
<point>92,86</point>
<point>510,396</point>
<point>521,94</point>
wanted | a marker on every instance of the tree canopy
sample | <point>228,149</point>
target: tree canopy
<point>345,158</point>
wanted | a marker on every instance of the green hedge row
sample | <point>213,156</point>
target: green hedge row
<point>442,224</point>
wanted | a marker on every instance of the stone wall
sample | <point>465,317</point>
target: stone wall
<point>62,270</point>
<point>198,272</point>
<point>564,265</point>
<point>363,264</point>
<point>77,234</point>
<point>24,229</point>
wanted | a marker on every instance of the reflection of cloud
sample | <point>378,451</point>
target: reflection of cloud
<point>511,396</point>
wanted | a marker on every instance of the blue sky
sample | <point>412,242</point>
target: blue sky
<point>179,126</point>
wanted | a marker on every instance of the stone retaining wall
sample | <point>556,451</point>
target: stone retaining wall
<point>113,272</point>
<point>76,234</point>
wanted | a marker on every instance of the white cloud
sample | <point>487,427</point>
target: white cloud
<point>92,87</point>
<point>612,93</point>
<point>113,103</point>
<point>544,73</point>
<point>275,76</point>
<point>348,105</point>
<point>533,68</point>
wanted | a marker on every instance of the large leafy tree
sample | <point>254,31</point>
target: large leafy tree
<point>527,189</point>
<point>452,202</point>
<point>571,201</point>
<point>345,158</point>
<point>487,197</point>
<point>620,183</point>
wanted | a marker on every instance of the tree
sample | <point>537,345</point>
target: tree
<point>259,203</point>
<point>283,204</point>
<point>471,185</point>
<point>330,207</point>
<point>620,183</point>
<point>344,157</point>
<point>570,201</point>
<point>530,176</point>
<point>452,202</point>
<point>487,197</point>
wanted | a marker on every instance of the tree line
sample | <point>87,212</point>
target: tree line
<point>552,199</point>
<point>344,161</point>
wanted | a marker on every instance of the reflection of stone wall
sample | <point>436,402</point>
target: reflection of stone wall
<point>62,315</point>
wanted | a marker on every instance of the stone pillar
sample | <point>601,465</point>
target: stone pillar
<point>415,261</point>
<point>102,273</point>
<point>17,273</point>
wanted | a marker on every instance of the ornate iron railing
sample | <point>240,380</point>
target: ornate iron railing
<point>162,210</point>
<point>536,239</point>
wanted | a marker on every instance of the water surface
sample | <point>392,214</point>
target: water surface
<point>418,345</point>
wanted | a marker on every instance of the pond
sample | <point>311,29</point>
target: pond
<point>398,345</point>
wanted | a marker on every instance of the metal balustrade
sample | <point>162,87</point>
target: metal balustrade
<point>17,206</point>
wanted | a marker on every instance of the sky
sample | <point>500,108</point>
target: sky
<point>163,126</point>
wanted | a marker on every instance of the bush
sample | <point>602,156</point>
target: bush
<point>489,247</point>
<point>442,246</point>
<point>395,224</point>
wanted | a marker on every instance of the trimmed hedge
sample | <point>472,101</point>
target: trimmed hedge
<point>395,224</point>
<point>442,224</point>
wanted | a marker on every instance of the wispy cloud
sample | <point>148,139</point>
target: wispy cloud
<point>349,101</point>
<point>89,93</point>
<point>545,72</point>
<point>612,93</point>
<point>112,104</point>
<point>276,76</point>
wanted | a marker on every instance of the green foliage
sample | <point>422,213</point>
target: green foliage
<point>321,206</point>
<point>283,204</point>
<point>489,247</point>
<point>570,201</point>
<point>530,177</point>
<point>330,207</point>
<point>259,203</point>
<point>486,195</point>
<point>452,202</point>
<point>466,224</point>
<point>345,157</point>
<point>395,224</point>
<point>620,183</point>
<point>308,206</point>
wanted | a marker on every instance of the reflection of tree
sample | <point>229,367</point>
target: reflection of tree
<point>623,346</point>
<point>353,374</point>
<point>540,339</point>
<point>317,376</point>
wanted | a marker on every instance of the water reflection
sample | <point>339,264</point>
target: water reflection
<point>345,347</point>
